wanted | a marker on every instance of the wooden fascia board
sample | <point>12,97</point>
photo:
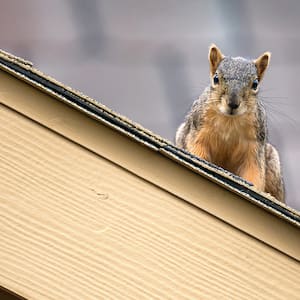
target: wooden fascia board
<point>274,224</point>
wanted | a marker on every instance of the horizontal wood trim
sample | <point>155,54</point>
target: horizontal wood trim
<point>144,162</point>
<point>75,225</point>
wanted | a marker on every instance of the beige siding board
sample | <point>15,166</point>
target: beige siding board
<point>170,176</point>
<point>77,226</point>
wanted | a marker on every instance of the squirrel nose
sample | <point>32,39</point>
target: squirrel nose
<point>233,102</point>
<point>233,105</point>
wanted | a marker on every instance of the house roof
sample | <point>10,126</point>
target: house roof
<point>25,71</point>
<point>87,189</point>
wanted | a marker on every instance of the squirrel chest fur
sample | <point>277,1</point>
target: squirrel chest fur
<point>227,124</point>
<point>235,136</point>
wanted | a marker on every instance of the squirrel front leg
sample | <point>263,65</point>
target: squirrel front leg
<point>198,149</point>
<point>253,173</point>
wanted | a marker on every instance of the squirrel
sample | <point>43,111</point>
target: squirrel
<point>227,123</point>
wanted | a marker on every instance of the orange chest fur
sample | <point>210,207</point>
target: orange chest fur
<point>226,141</point>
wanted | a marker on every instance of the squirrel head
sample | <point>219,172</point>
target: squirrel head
<point>235,81</point>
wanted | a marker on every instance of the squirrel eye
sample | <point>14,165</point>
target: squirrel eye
<point>216,79</point>
<point>254,84</point>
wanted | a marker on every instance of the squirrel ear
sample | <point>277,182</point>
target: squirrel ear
<point>214,56</point>
<point>261,64</point>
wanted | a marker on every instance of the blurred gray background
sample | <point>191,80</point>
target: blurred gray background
<point>148,59</point>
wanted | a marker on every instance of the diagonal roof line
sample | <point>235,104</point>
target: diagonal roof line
<point>24,70</point>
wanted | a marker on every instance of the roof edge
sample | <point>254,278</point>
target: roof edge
<point>16,59</point>
<point>24,70</point>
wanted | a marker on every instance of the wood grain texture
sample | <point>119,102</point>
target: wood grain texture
<point>77,226</point>
<point>268,225</point>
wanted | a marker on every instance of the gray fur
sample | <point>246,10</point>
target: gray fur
<point>193,120</point>
<point>237,75</point>
<point>237,69</point>
<point>236,72</point>
<point>274,184</point>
